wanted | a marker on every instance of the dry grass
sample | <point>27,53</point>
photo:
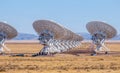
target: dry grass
<point>69,62</point>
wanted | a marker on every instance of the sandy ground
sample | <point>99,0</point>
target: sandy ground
<point>77,60</point>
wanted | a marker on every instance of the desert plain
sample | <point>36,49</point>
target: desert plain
<point>77,60</point>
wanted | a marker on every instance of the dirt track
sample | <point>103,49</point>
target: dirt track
<point>77,60</point>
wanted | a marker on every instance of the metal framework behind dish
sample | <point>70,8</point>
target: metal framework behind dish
<point>2,42</point>
<point>99,35</point>
<point>56,45</point>
<point>98,39</point>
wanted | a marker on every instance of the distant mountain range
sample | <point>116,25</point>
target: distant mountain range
<point>116,37</point>
<point>86,36</point>
<point>25,36</point>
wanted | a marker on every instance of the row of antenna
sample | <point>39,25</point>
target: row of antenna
<point>56,38</point>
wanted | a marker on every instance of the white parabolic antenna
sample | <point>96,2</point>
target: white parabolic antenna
<point>100,31</point>
<point>59,32</point>
<point>8,30</point>
<point>56,36</point>
<point>96,26</point>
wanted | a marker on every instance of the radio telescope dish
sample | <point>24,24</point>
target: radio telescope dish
<point>96,26</point>
<point>58,31</point>
<point>55,37</point>
<point>8,30</point>
<point>100,31</point>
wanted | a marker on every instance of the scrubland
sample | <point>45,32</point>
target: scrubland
<point>77,60</point>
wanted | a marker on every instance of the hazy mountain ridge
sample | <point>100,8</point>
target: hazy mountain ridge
<point>25,36</point>
<point>86,36</point>
<point>116,37</point>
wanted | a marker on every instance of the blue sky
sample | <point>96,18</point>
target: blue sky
<point>73,14</point>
